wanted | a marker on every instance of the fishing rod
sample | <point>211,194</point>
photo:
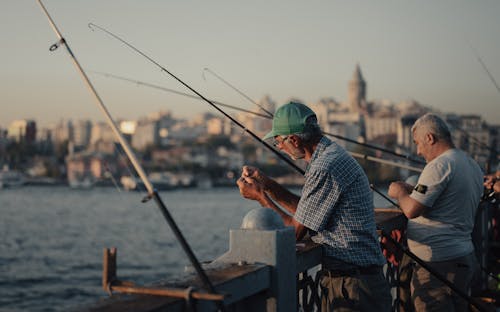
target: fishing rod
<point>407,157</point>
<point>435,273</point>
<point>409,253</point>
<point>287,160</point>
<point>354,154</point>
<point>422,263</point>
<point>206,69</point>
<point>384,196</point>
<point>492,79</point>
<point>152,192</point>
<point>483,65</point>
<point>385,162</point>
<point>141,83</point>
<point>277,153</point>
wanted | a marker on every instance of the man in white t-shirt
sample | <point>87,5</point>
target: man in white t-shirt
<point>441,210</point>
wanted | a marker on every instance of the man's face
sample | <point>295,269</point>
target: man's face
<point>421,143</point>
<point>285,144</point>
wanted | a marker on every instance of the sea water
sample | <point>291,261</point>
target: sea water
<point>52,239</point>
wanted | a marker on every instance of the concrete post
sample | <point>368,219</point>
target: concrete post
<point>263,238</point>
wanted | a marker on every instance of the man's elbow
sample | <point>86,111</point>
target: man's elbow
<point>414,211</point>
<point>411,214</point>
<point>300,230</point>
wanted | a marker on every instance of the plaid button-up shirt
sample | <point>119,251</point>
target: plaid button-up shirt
<point>337,204</point>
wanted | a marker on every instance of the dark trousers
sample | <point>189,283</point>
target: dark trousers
<point>355,290</point>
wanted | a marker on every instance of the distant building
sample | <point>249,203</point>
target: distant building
<point>86,168</point>
<point>45,141</point>
<point>127,128</point>
<point>404,140</point>
<point>326,110</point>
<point>259,125</point>
<point>471,134</point>
<point>81,133</point>
<point>63,132</point>
<point>22,131</point>
<point>380,126</point>
<point>357,91</point>
<point>101,131</point>
<point>153,131</point>
<point>219,126</point>
<point>381,120</point>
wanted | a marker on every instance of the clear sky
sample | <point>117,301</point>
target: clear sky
<point>421,50</point>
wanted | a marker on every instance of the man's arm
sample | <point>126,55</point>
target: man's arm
<point>273,189</point>
<point>250,188</point>
<point>401,192</point>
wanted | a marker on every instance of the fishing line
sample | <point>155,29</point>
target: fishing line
<point>371,158</point>
<point>354,154</point>
<point>141,83</point>
<point>277,153</point>
<point>300,170</point>
<point>483,65</point>
<point>206,69</point>
<point>422,263</point>
<point>405,250</point>
<point>477,304</point>
<point>108,171</point>
<point>152,192</point>
<point>407,157</point>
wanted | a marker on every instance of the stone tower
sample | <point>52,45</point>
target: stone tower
<point>357,91</point>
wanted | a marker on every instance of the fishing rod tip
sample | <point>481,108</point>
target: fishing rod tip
<point>92,26</point>
<point>205,69</point>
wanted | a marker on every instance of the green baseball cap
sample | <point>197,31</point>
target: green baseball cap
<point>289,119</point>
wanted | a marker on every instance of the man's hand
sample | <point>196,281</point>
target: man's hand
<point>256,174</point>
<point>392,253</point>
<point>496,187</point>
<point>398,189</point>
<point>490,181</point>
<point>250,188</point>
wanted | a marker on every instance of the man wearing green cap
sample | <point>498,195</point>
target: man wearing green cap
<point>336,204</point>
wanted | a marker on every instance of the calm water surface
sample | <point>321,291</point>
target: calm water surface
<point>52,240</point>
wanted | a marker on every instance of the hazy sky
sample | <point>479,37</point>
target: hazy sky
<point>421,50</point>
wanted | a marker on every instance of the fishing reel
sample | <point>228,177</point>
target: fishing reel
<point>489,195</point>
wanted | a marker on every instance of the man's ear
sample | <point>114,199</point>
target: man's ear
<point>295,140</point>
<point>430,138</point>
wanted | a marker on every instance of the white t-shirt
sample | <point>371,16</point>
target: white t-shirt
<point>450,186</point>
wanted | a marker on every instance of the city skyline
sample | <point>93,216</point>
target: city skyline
<point>415,50</point>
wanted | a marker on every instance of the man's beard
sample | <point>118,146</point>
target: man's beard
<point>297,154</point>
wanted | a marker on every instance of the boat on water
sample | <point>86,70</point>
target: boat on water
<point>11,178</point>
<point>81,183</point>
<point>161,180</point>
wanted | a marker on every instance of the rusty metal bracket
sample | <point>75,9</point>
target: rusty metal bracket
<point>111,283</point>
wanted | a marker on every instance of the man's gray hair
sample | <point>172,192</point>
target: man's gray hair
<point>312,130</point>
<point>430,123</point>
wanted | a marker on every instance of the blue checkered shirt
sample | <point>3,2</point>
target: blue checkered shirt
<point>337,204</point>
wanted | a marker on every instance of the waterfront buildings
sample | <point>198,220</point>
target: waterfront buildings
<point>211,140</point>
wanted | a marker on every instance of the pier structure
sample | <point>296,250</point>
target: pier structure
<point>264,269</point>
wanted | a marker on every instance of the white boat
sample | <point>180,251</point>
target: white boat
<point>160,180</point>
<point>11,178</point>
<point>83,183</point>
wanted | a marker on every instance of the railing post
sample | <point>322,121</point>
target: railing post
<point>263,238</point>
